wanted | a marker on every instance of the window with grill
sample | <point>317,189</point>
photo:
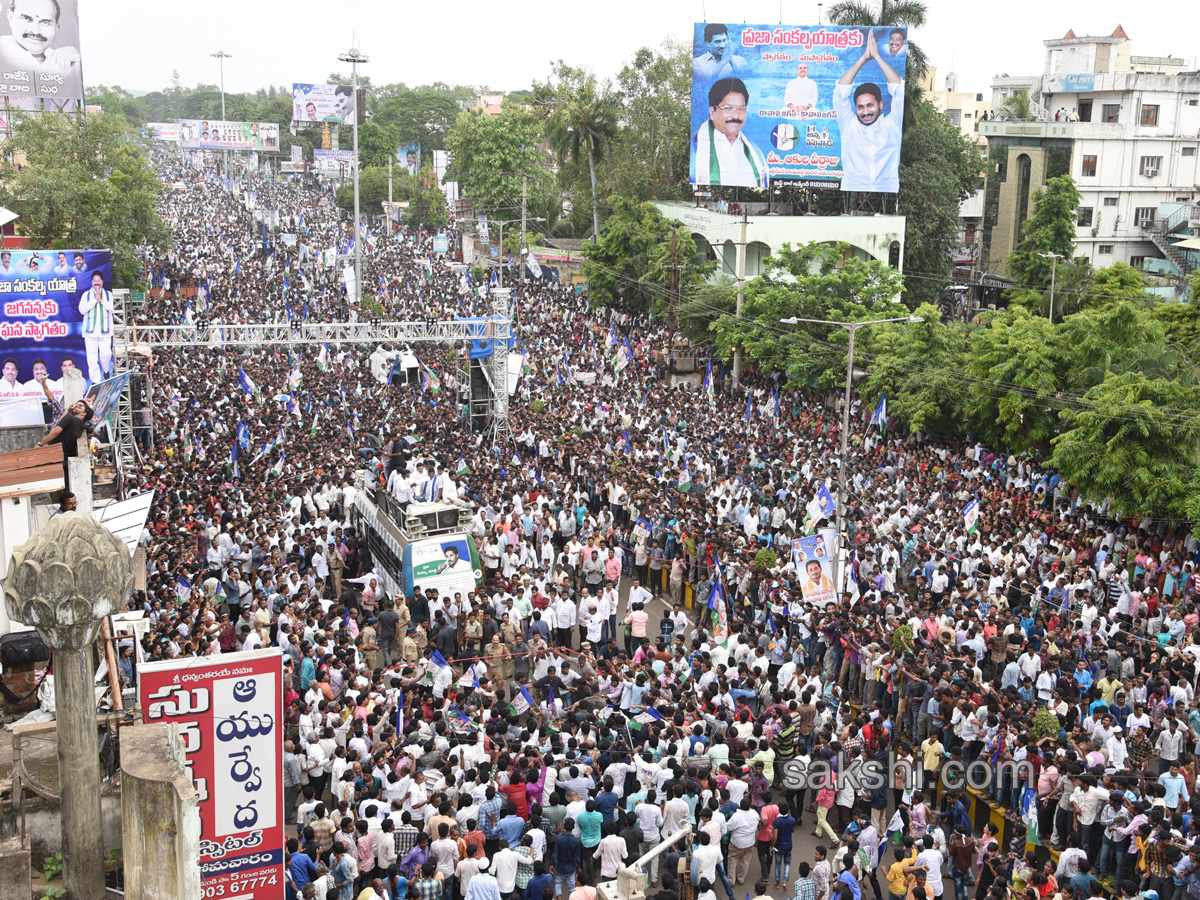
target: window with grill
<point>1089,167</point>
<point>1150,114</point>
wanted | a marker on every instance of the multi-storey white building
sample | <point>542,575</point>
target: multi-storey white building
<point>1135,126</point>
<point>964,109</point>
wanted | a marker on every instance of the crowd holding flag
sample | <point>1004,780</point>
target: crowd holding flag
<point>970,516</point>
<point>709,387</point>
<point>879,417</point>
<point>718,607</point>
<point>520,703</point>
<point>623,357</point>
<point>244,380</point>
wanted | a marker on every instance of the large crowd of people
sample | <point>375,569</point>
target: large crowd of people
<point>634,662</point>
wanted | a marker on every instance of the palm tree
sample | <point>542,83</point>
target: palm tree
<point>891,14</point>
<point>580,118</point>
<point>1017,106</point>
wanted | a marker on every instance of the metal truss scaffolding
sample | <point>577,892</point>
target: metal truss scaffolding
<point>130,338</point>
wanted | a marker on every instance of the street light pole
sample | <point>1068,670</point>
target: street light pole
<point>221,56</point>
<point>1054,258</point>
<point>354,57</point>
<point>844,453</point>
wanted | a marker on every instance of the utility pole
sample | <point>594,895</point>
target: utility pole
<point>1054,258</point>
<point>674,266</point>
<point>389,182</point>
<point>524,200</point>
<point>741,296</point>
<point>354,57</point>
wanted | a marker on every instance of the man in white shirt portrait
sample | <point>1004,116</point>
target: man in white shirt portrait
<point>718,59</point>
<point>721,154</point>
<point>870,135</point>
<point>801,92</point>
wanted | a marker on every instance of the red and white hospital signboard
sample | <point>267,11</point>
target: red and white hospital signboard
<point>229,710</point>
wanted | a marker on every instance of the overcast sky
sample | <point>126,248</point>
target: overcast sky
<point>137,43</point>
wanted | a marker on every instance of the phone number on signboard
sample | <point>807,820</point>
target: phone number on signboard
<point>239,887</point>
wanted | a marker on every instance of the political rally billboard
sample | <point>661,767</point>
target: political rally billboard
<point>229,711</point>
<point>163,131</point>
<point>315,103</point>
<point>39,54</point>
<point>213,134</point>
<point>820,104</point>
<point>56,313</point>
<point>409,156</point>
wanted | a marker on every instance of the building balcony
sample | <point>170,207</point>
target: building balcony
<point>1028,129</point>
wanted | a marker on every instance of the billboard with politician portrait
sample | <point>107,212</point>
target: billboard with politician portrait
<point>56,313</point>
<point>820,104</point>
<point>409,156</point>
<point>213,134</point>
<point>314,103</point>
<point>39,54</point>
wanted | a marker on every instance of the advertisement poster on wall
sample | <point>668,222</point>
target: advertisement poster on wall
<point>229,710</point>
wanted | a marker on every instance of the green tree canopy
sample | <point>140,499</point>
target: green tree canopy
<point>428,205</point>
<point>84,183</point>
<point>649,158</point>
<point>1051,229</point>
<point>373,188</point>
<point>919,366</point>
<point>578,116</point>
<point>939,168</point>
<point>813,281</point>
<point>492,152</point>
<point>625,262</point>
<point>1014,367</point>
<point>1133,440</point>
<point>421,116</point>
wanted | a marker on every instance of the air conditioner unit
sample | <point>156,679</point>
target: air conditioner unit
<point>1151,172</point>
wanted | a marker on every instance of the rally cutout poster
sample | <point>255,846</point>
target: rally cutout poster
<point>56,313</point>
<point>819,104</point>
<point>813,559</point>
